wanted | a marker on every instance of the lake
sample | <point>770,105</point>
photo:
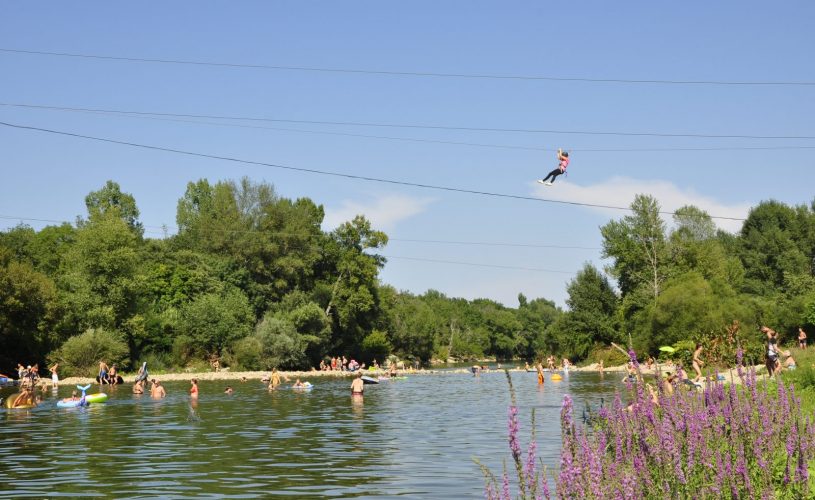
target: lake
<point>414,438</point>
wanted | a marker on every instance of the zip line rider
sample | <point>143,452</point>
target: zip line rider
<point>563,156</point>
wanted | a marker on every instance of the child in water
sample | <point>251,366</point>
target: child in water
<point>563,157</point>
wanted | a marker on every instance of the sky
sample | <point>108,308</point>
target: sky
<point>461,244</point>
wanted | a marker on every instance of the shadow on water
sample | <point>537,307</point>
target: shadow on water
<point>414,437</point>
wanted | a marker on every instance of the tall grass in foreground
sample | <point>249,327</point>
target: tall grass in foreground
<point>739,441</point>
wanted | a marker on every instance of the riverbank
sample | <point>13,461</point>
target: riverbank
<point>258,375</point>
<point>730,376</point>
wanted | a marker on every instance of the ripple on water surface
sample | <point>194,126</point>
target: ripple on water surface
<point>413,438</point>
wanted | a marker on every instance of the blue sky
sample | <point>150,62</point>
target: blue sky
<point>47,177</point>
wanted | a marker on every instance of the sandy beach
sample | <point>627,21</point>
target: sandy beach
<point>729,376</point>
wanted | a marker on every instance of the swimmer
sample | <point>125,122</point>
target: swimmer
<point>74,397</point>
<point>157,391</point>
<point>298,384</point>
<point>194,388</point>
<point>357,385</point>
<point>228,390</point>
<point>138,387</point>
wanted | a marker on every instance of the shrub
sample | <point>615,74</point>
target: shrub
<point>80,355</point>
<point>183,350</point>
<point>247,354</point>
<point>375,346</point>
<point>741,441</point>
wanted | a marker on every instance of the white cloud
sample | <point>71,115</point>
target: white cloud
<point>383,211</point>
<point>620,191</point>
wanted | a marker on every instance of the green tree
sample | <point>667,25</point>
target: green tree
<point>375,346</point>
<point>535,317</point>
<point>771,248</point>
<point>214,321</point>
<point>110,201</point>
<point>638,247</point>
<point>354,302</point>
<point>29,309</point>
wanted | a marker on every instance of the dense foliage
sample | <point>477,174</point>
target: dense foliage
<point>253,279</point>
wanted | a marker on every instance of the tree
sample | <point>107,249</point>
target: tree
<point>536,316</point>
<point>638,247</point>
<point>29,310</point>
<point>110,201</point>
<point>214,321</point>
<point>353,303</point>
<point>771,248</point>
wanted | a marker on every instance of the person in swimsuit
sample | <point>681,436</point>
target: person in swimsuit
<point>74,397</point>
<point>298,385</point>
<point>138,387</point>
<point>113,375</point>
<point>54,376</point>
<point>802,338</point>
<point>26,398</point>
<point>772,350</point>
<point>194,388</point>
<point>697,362</point>
<point>156,390</point>
<point>540,373</point>
<point>357,385</point>
<point>275,380</point>
<point>228,390</point>
<point>103,373</point>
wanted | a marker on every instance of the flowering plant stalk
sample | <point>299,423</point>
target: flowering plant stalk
<point>531,481</point>
<point>738,441</point>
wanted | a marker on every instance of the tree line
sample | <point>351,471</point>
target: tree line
<point>252,279</point>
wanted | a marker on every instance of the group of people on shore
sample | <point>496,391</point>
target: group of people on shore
<point>29,376</point>
<point>107,375</point>
<point>343,364</point>
<point>774,353</point>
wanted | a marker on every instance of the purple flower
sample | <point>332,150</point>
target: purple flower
<point>514,445</point>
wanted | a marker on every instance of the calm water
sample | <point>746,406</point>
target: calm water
<point>415,438</point>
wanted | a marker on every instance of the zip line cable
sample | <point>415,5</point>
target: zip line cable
<point>160,230</point>
<point>129,114</point>
<point>414,73</point>
<point>498,266</point>
<point>435,127</point>
<point>337,174</point>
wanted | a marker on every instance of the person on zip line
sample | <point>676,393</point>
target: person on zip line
<point>563,157</point>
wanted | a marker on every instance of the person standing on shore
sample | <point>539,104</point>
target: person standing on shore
<point>697,362</point>
<point>772,349</point>
<point>103,372</point>
<point>802,338</point>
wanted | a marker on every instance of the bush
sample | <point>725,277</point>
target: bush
<point>80,355</point>
<point>156,362</point>
<point>283,347</point>
<point>247,354</point>
<point>183,350</point>
<point>375,346</point>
